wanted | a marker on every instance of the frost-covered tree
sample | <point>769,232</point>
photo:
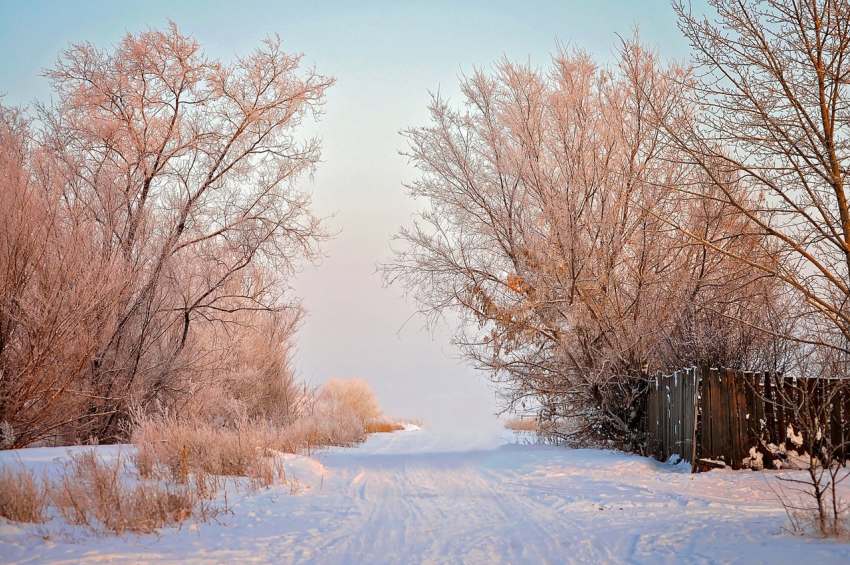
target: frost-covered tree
<point>548,231</point>
<point>176,177</point>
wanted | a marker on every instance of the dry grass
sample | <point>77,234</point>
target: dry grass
<point>175,450</point>
<point>23,498</point>
<point>383,427</point>
<point>98,495</point>
<point>328,422</point>
<point>94,493</point>
<point>341,413</point>
<point>169,449</point>
<point>522,425</point>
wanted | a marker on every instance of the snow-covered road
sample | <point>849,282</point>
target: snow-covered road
<point>423,497</point>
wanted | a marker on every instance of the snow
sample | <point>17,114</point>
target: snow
<point>754,461</point>
<point>796,439</point>
<point>426,496</point>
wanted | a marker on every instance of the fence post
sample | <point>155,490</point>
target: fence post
<point>694,382</point>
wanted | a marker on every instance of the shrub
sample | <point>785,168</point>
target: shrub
<point>247,373</point>
<point>352,396</point>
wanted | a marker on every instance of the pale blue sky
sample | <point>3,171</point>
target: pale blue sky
<point>386,57</point>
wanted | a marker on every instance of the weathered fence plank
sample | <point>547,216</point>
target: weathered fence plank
<point>671,415</point>
<point>769,408</point>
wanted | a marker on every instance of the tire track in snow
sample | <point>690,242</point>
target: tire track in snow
<point>440,508</point>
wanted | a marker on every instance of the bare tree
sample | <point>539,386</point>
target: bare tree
<point>773,123</point>
<point>548,233</point>
<point>184,172</point>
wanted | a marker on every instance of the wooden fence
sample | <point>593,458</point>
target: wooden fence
<point>721,414</point>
